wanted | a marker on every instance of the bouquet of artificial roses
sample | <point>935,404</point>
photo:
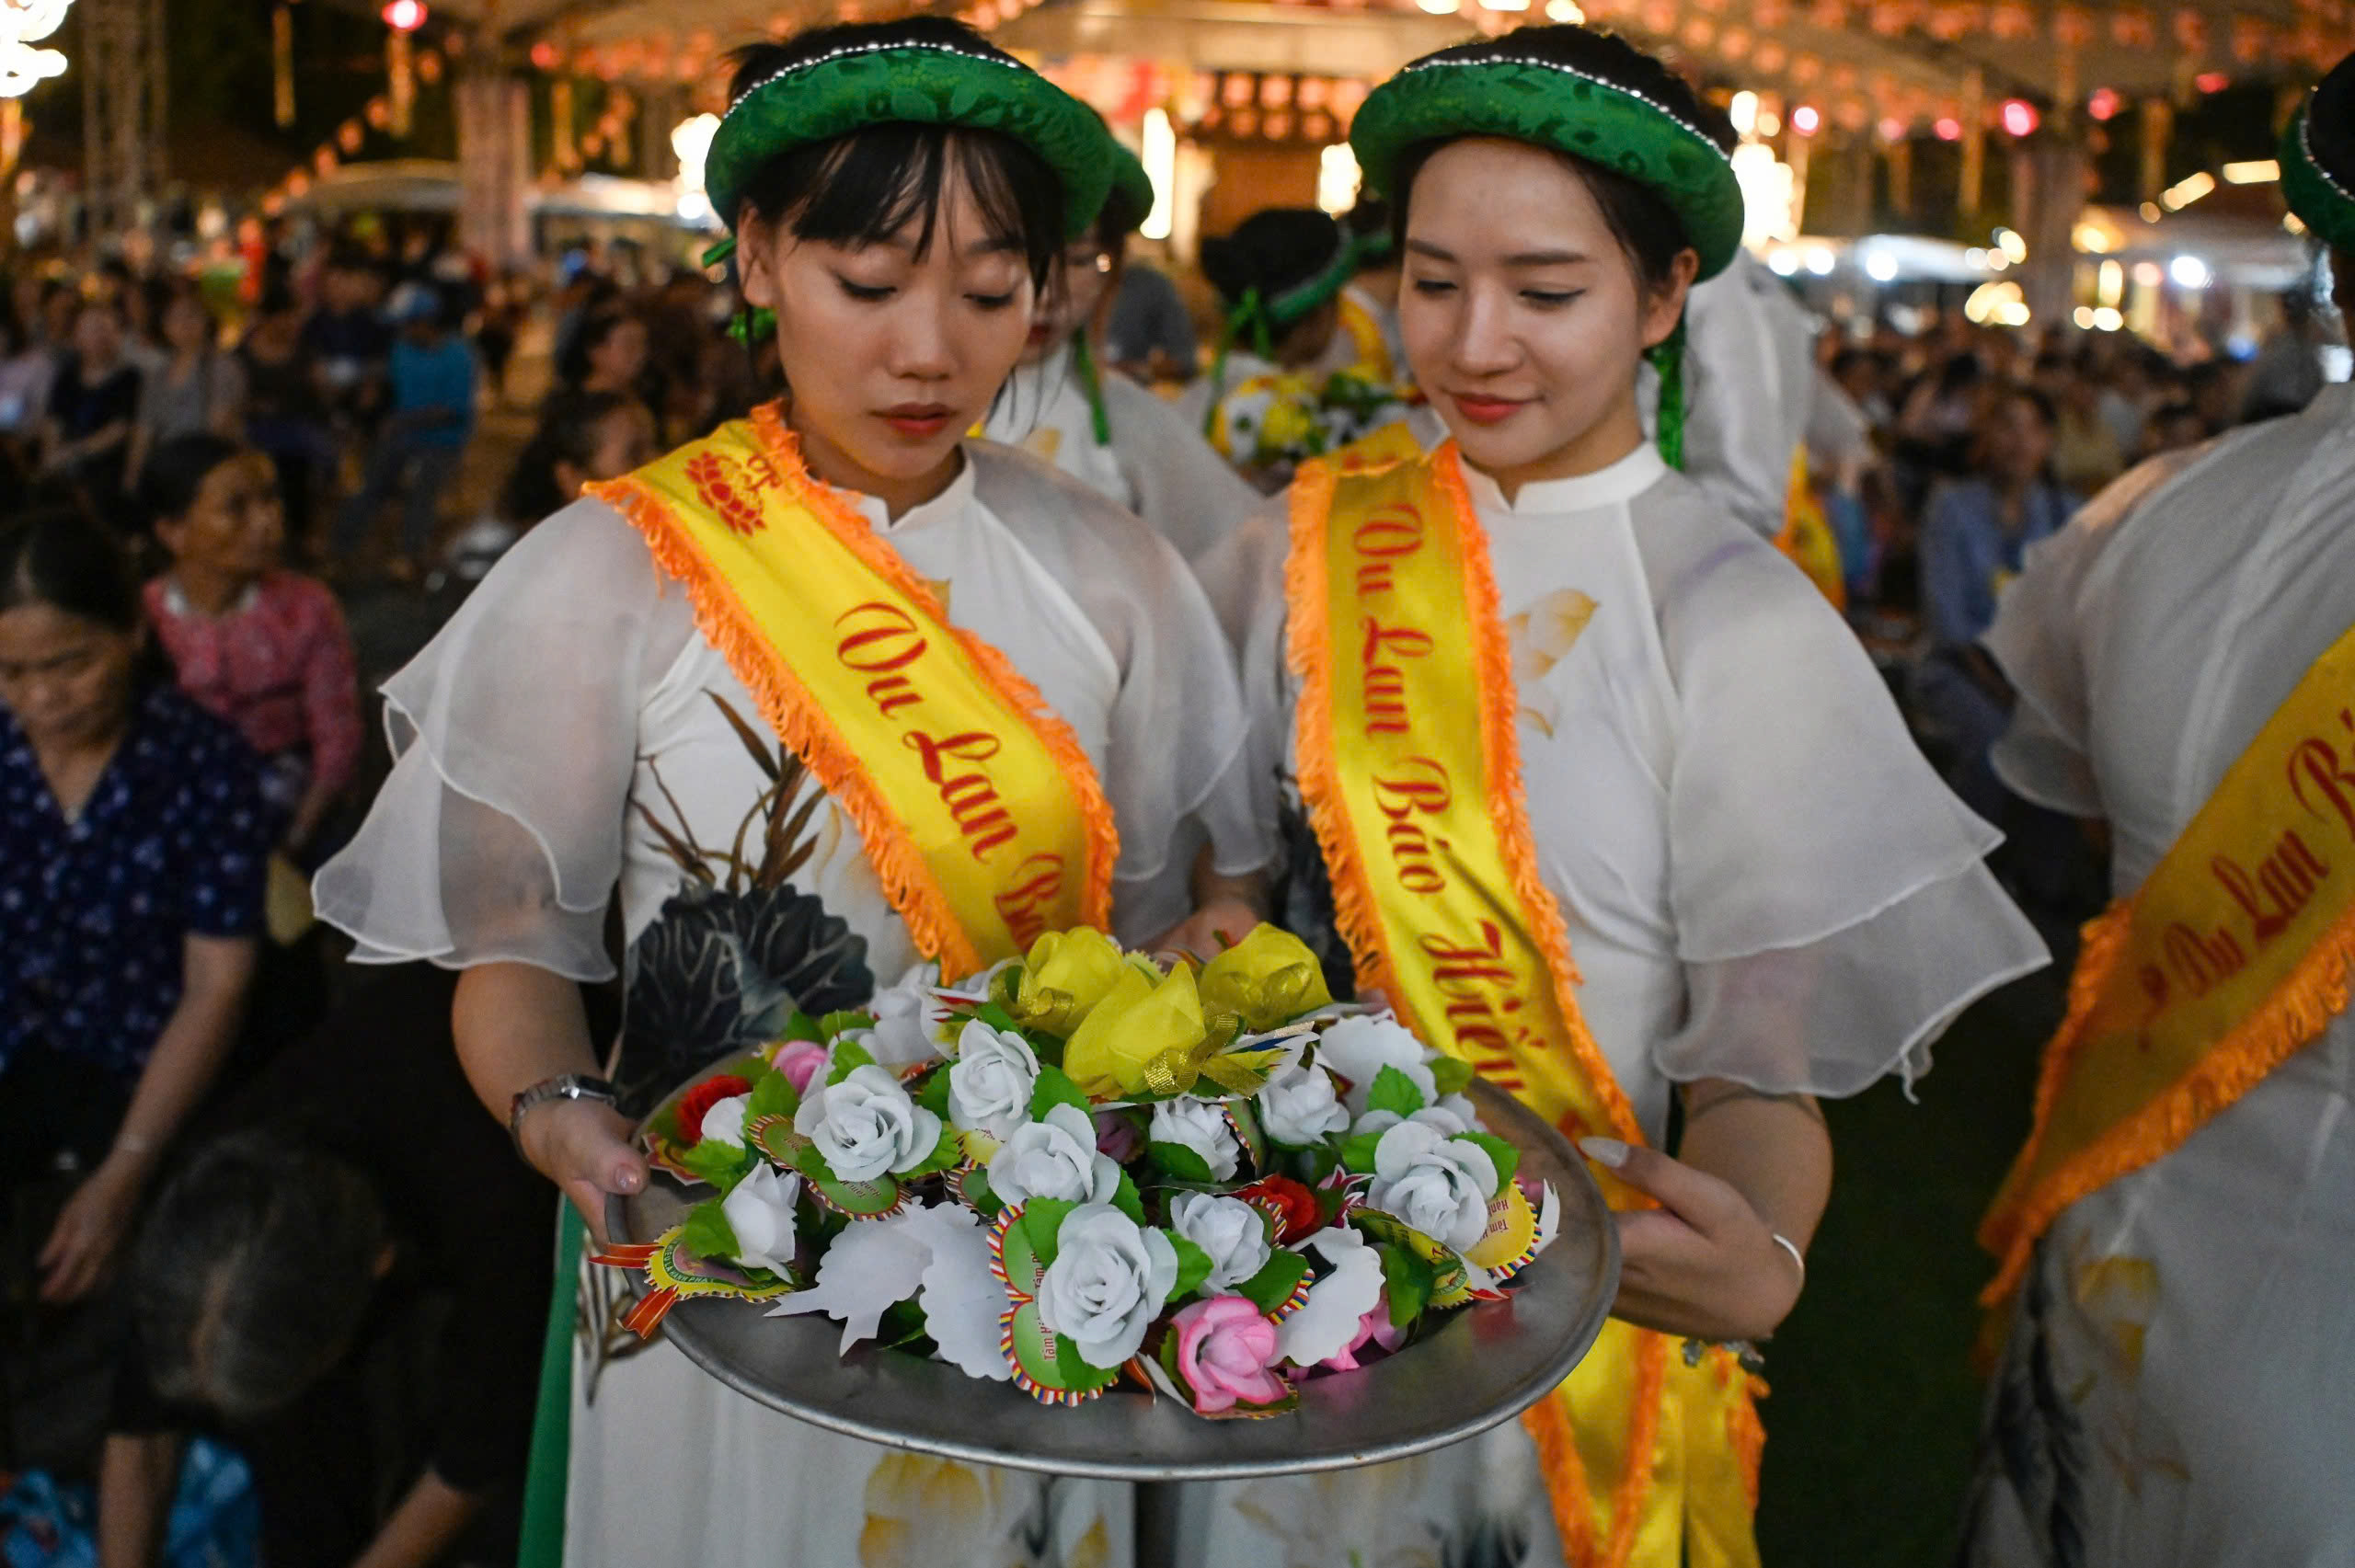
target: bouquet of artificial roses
<point>1086,1162</point>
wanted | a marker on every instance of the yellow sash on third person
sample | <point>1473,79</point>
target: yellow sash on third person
<point>982,817</point>
<point>2232,955</point>
<point>1410,764</point>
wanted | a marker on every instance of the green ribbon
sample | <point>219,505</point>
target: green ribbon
<point>1667,358</point>
<point>1083,362</point>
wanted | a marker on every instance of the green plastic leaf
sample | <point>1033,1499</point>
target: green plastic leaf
<point>773,1095</point>
<point>1452,1075</point>
<point>1408,1280</point>
<point>1042,1219</point>
<point>1357,1153</point>
<point>1245,1127</point>
<point>902,1327</point>
<point>801,1026</point>
<point>1393,1092</point>
<point>849,1056</point>
<point>834,1023</point>
<point>714,1162</point>
<point>1128,1200</point>
<point>707,1232</point>
<point>1179,1161</point>
<point>1507,1156</point>
<point>1054,1088</point>
<point>1193,1265</point>
<point>861,1200</point>
<point>974,1187</point>
<point>944,1156</point>
<point>1273,1285</point>
<point>997,1017</point>
<point>931,1093</point>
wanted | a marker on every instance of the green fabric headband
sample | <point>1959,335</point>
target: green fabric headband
<point>921,84</point>
<point>2321,200</point>
<point>1554,105</point>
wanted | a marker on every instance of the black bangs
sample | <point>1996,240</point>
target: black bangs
<point>869,187</point>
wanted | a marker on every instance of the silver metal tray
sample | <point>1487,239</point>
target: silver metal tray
<point>1485,1364</point>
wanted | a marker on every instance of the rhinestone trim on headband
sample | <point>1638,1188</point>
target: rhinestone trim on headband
<point>886,46</point>
<point>2306,146</point>
<point>1608,86</point>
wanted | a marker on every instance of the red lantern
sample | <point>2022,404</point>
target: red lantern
<point>404,16</point>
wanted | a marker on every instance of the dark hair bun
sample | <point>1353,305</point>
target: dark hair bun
<point>1272,251</point>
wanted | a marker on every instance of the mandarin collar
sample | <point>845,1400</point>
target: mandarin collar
<point>1620,482</point>
<point>954,500</point>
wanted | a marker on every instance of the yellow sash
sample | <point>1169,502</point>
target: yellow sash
<point>982,816</point>
<point>1807,537</point>
<point>2232,955</point>
<point>1410,766</point>
<point>1365,337</point>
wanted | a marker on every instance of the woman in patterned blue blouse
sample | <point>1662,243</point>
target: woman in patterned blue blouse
<point>132,839</point>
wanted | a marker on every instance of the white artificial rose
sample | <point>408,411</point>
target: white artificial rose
<point>724,1122</point>
<point>1359,1047</point>
<point>1442,1116</point>
<point>867,1126</point>
<point>1234,1233</point>
<point>1301,1109</point>
<point>991,1080</point>
<point>1328,1322</point>
<point>907,1020</point>
<point>1199,1125</point>
<point>1438,1184</point>
<point>1460,1106</point>
<point>1110,1278</point>
<point>1055,1158</point>
<point>760,1210</point>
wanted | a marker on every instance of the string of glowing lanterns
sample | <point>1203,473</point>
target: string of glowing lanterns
<point>389,112</point>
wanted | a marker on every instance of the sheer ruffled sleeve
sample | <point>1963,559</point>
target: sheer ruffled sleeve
<point>499,835</point>
<point>1831,907</point>
<point>2036,638</point>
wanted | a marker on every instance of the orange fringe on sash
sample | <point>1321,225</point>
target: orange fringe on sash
<point>2301,1008</point>
<point>908,881</point>
<point>1308,652</point>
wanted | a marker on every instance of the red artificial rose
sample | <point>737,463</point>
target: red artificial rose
<point>1292,1206</point>
<point>703,1097</point>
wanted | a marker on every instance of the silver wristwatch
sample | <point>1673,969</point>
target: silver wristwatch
<point>563,1086</point>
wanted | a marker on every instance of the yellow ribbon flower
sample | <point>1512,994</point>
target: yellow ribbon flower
<point>1065,977</point>
<point>1266,979</point>
<point>1142,1038</point>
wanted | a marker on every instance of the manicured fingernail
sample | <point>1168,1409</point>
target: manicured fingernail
<point>1605,1151</point>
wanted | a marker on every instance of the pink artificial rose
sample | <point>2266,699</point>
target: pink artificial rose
<point>1376,1326</point>
<point>1224,1348</point>
<point>1117,1138</point>
<point>800,1061</point>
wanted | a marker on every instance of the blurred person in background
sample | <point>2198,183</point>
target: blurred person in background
<point>285,416</point>
<point>2172,427</point>
<point>348,341</point>
<point>133,837</point>
<point>582,437</point>
<point>25,372</point>
<point>2085,453</point>
<point>1278,277</point>
<point>1108,432</point>
<point>93,404</point>
<point>261,646</point>
<point>349,1197</point>
<point>429,417</point>
<point>608,352</point>
<point>197,389</point>
<point>1148,332</point>
<point>2287,372</point>
<point>1975,535</point>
